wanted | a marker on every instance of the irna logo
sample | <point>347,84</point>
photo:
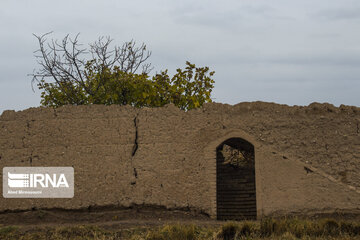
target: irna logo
<point>19,180</point>
<point>38,182</point>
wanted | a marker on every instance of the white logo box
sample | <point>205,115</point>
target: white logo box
<point>38,182</point>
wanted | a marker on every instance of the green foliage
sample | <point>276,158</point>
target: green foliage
<point>110,76</point>
<point>187,89</point>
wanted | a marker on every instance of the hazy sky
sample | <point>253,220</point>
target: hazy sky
<point>290,52</point>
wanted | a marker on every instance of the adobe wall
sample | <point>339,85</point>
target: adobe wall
<point>307,159</point>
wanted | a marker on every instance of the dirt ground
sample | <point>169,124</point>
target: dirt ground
<point>105,217</point>
<point>115,218</point>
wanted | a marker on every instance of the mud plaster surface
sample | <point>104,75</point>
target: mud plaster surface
<point>308,158</point>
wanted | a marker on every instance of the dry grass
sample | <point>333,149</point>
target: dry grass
<point>287,228</point>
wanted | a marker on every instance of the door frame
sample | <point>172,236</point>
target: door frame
<point>210,157</point>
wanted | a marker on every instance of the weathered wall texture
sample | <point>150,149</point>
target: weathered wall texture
<point>307,159</point>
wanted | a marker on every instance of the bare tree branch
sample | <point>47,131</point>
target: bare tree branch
<point>66,62</point>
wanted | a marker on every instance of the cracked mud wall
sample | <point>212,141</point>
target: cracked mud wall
<point>307,158</point>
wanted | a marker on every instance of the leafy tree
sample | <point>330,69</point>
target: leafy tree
<point>113,76</point>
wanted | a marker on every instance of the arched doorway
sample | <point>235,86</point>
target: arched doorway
<point>235,180</point>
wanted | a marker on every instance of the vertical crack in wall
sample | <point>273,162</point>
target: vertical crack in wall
<point>135,148</point>
<point>136,137</point>
<point>357,128</point>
